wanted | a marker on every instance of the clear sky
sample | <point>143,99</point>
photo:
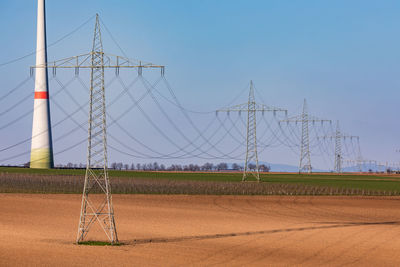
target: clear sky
<point>342,56</point>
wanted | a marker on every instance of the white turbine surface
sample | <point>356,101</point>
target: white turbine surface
<point>41,147</point>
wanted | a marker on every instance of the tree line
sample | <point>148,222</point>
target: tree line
<point>155,166</point>
<point>188,167</point>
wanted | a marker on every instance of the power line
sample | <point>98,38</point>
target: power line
<point>50,45</point>
<point>113,39</point>
<point>16,88</point>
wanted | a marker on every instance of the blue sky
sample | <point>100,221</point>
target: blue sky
<point>342,56</point>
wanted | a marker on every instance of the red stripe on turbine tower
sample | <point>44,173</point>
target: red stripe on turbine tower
<point>41,95</point>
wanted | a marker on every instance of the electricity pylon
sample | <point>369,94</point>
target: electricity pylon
<point>251,107</point>
<point>305,119</point>
<point>359,156</point>
<point>97,152</point>
<point>339,137</point>
<point>338,150</point>
<point>363,162</point>
<point>99,209</point>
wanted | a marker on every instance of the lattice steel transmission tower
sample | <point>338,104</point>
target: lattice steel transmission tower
<point>96,168</point>
<point>99,209</point>
<point>251,107</point>
<point>305,157</point>
<point>359,156</point>
<point>251,140</point>
<point>363,163</point>
<point>339,137</point>
<point>305,119</point>
<point>338,150</point>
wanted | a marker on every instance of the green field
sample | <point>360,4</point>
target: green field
<point>351,181</point>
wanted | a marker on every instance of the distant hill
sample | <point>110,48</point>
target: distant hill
<point>365,168</point>
<point>276,167</point>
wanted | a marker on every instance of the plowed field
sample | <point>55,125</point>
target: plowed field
<point>179,230</point>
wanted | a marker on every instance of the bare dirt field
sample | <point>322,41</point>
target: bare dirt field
<point>179,230</point>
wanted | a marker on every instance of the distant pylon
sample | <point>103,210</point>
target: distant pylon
<point>359,156</point>
<point>305,158</point>
<point>338,149</point>
<point>41,146</point>
<point>251,140</point>
<point>251,107</point>
<point>339,137</point>
<point>305,119</point>
<point>96,169</point>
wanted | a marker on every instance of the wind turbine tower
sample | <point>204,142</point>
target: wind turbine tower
<point>41,146</point>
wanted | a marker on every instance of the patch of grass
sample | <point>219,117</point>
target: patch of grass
<point>98,243</point>
<point>71,180</point>
<point>199,176</point>
<point>345,181</point>
<point>42,171</point>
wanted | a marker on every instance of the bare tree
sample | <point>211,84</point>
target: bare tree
<point>155,166</point>
<point>236,167</point>
<point>119,166</point>
<point>207,166</point>
<point>264,168</point>
<point>252,166</point>
<point>162,167</point>
<point>222,166</point>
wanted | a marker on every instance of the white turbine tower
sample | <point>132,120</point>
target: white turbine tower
<point>41,147</point>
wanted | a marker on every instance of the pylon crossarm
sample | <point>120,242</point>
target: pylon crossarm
<point>292,119</point>
<point>84,61</point>
<point>343,136</point>
<point>262,108</point>
<point>301,119</point>
<point>258,108</point>
<point>239,107</point>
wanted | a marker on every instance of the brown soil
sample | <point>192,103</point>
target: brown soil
<point>170,230</point>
